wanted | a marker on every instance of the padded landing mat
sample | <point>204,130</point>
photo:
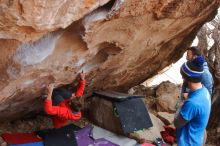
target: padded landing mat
<point>85,138</point>
<point>20,138</point>
<point>61,139</point>
<point>64,136</point>
<point>115,96</point>
<point>133,115</point>
<point>29,144</point>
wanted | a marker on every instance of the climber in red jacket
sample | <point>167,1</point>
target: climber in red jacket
<point>66,108</point>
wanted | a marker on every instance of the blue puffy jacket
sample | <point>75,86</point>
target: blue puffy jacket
<point>207,79</point>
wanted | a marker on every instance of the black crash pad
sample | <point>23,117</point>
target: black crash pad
<point>133,115</point>
<point>131,110</point>
<point>64,136</point>
<point>115,96</point>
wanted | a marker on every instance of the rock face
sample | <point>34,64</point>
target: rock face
<point>167,118</point>
<point>152,133</point>
<point>119,44</point>
<point>167,94</point>
<point>142,90</point>
<point>28,20</point>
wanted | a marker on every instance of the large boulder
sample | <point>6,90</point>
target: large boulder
<point>119,44</point>
<point>100,113</point>
<point>29,20</point>
<point>167,94</point>
<point>142,90</point>
<point>152,133</point>
<point>167,118</point>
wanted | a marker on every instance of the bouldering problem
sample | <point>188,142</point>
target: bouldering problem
<point>118,44</point>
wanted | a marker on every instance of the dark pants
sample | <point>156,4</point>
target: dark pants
<point>60,95</point>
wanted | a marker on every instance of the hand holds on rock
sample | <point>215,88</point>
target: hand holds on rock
<point>82,76</point>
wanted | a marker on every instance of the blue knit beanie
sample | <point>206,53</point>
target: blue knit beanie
<point>192,70</point>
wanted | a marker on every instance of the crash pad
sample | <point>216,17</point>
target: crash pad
<point>133,115</point>
<point>64,136</point>
<point>44,132</point>
<point>115,96</point>
<point>29,144</point>
<point>98,133</point>
<point>84,138</point>
<point>20,138</point>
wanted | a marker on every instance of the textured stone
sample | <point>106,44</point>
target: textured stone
<point>152,133</point>
<point>118,45</point>
<point>143,90</point>
<point>2,141</point>
<point>167,118</point>
<point>167,94</point>
<point>29,19</point>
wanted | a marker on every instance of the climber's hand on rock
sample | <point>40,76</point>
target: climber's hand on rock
<point>43,97</point>
<point>73,96</point>
<point>82,76</point>
<point>50,88</point>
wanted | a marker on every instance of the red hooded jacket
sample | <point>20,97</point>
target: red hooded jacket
<point>62,112</point>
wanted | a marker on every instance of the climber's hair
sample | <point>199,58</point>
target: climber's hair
<point>75,105</point>
<point>195,51</point>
